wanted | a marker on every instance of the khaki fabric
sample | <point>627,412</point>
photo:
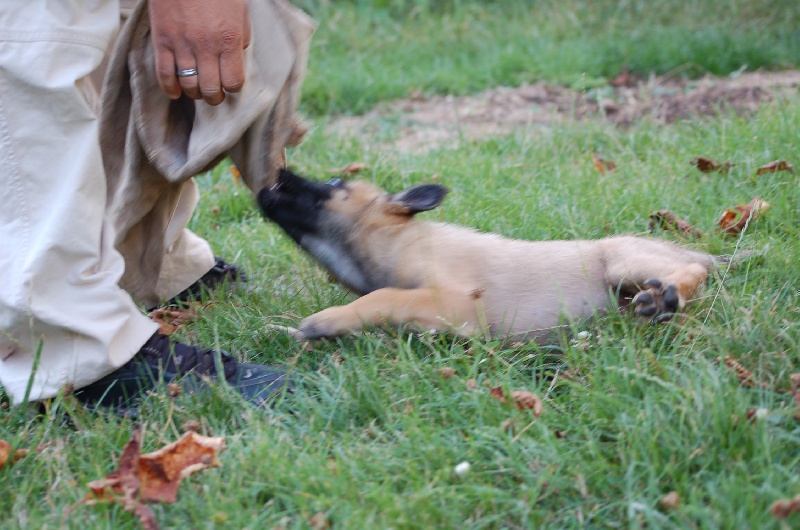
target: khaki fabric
<point>64,320</point>
<point>153,145</point>
<point>60,302</point>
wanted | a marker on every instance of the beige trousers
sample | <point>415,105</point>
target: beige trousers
<point>60,303</point>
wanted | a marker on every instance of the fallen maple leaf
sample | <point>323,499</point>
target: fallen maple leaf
<point>775,165</point>
<point>350,169</point>
<point>667,221</point>
<point>602,165</point>
<point>733,220</point>
<point>156,476</point>
<point>706,165</point>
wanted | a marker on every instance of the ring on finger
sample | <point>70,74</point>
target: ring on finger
<point>188,72</point>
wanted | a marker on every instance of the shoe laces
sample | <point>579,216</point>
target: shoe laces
<point>182,358</point>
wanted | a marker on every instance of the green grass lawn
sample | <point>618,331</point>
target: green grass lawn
<point>373,433</point>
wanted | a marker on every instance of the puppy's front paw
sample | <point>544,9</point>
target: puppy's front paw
<point>656,302</point>
<point>325,324</point>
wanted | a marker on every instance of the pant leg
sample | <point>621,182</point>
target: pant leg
<point>187,256</point>
<point>59,295</point>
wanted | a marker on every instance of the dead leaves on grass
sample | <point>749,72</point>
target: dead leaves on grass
<point>734,220</point>
<point>8,457</point>
<point>171,319</point>
<point>706,165</point>
<point>775,165</point>
<point>155,476</point>
<point>522,399</point>
<point>666,220</point>
<point>601,164</point>
<point>745,376</point>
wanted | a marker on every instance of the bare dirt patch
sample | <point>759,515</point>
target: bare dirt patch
<point>421,123</point>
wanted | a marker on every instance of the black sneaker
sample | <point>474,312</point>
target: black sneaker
<point>164,360</point>
<point>222,273</point>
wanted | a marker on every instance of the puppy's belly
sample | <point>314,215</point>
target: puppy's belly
<point>531,312</point>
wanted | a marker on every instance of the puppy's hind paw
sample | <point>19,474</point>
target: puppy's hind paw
<point>656,302</point>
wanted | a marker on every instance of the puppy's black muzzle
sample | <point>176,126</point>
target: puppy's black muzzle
<point>295,204</point>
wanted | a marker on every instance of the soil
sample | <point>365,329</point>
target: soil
<point>422,123</point>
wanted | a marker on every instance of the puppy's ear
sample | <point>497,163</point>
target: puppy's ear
<point>417,199</point>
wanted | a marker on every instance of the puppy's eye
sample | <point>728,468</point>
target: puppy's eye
<point>335,182</point>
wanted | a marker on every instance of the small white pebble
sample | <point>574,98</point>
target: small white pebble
<point>584,335</point>
<point>462,468</point>
<point>761,413</point>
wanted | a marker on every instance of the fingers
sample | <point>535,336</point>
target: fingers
<point>165,71</point>
<point>208,36</point>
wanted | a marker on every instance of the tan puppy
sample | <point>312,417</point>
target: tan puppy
<point>448,277</point>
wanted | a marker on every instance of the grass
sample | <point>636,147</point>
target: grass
<point>371,437</point>
<point>460,47</point>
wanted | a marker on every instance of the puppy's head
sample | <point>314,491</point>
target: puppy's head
<point>332,221</point>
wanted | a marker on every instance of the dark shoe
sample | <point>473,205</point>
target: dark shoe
<point>222,273</point>
<point>164,360</point>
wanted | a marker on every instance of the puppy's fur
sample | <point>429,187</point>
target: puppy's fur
<point>447,277</point>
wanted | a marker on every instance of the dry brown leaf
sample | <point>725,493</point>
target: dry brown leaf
<point>319,521</point>
<point>171,319</point>
<point>795,378</point>
<point>733,220</point>
<point>350,169</point>
<point>509,425</point>
<point>667,221</point>
<point>670,501</point>
<point>783,508</point>
<point>775,165</point>
<point>706,165</point>
<point>174,390</point>
<point>156,476</point>
<point>622,79</point>
<point>7,457</point>
<point>5,453</point>
<point>602,165</point>
<point>525,400</point>
<point>745,376</point>
<point>235,173</point>
<point>498,393</point>
<point>446,372</point>
<point>190,425</point>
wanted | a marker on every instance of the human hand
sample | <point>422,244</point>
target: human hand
<point>207,35</point>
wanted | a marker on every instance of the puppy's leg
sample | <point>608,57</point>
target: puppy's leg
<point>432,308</point>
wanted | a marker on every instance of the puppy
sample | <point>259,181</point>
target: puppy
<point>447,277</point>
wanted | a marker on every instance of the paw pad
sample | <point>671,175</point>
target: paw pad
<point>656,301</point>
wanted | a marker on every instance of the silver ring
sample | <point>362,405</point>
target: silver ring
<point>186,73</point>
